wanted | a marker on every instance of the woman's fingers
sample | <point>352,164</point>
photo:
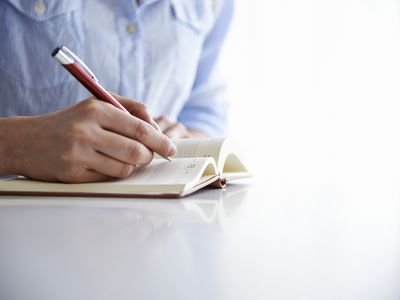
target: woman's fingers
<point>92,176</point>
<point>139,130</point>
<point>123,149</point>
<point>137,109</point>
<point>108,166</point>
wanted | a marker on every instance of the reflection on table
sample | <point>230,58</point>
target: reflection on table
<point>83,248</point>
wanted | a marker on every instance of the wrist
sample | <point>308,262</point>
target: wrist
<point>11,139</point>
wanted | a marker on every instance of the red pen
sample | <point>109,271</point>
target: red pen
<point>85,76</point>
<point>82,73</point>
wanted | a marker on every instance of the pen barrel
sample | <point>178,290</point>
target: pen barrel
<point>89,83</point>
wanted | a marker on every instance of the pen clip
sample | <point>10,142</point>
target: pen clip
<point>80,62</point>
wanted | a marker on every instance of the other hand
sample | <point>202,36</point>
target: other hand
<point>176,130</point>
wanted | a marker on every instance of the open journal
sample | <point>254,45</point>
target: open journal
<point>199,162</point>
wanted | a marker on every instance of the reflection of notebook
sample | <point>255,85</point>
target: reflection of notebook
<point>198,163</point>
<point>224,210</point>
<point>207,206</point>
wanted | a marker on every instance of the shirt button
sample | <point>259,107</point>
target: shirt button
<point>40,8</point>
<point>130,28</point>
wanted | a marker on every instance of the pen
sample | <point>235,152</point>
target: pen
<point>74,65</point>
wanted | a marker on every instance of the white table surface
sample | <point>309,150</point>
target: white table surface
<point>257,239</point>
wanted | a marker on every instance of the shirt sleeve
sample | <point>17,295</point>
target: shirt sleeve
<point>207,107</point>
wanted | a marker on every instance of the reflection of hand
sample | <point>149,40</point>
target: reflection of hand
<point>176,130</point>
<point>89,141</point>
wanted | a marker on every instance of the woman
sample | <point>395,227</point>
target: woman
<point>163,53</point>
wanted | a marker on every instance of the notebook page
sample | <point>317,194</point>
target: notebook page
<point>162,172</point>
<point>199,147</point>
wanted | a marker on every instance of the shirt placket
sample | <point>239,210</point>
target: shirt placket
<point>131,68</point>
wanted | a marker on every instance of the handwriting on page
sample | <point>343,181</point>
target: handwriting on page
<point>179,170</point>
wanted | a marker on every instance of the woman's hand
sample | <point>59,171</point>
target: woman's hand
<point>89,141</point>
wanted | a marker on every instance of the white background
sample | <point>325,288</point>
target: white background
<point>315,91</point>
<point>314,87</point>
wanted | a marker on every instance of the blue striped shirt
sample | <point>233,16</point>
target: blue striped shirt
<point>163,53</point>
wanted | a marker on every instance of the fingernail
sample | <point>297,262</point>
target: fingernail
<point>172,150</point>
